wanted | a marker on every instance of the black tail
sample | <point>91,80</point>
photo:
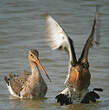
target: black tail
<point>92,95</point>
<point>63,99</point>
<point>98,89</point>
<point>7,80</point>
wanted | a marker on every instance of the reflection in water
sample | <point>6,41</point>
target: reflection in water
<point>30,104</point>
<point>27,103</point>
<point>78,107</point>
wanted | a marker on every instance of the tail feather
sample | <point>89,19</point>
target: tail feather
<point>7,80</point>
<point>98,89</point>
<point>90,96</point>
<point>67,96</point>
<point>63,99</point>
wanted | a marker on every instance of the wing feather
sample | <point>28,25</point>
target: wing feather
<point>58,39</point>
<point>57,36</point>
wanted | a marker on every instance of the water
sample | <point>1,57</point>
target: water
<point>22,28</point>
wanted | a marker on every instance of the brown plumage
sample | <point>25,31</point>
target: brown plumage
<point>78,79</point>
<point>30,84</point>
<point>79,75</point>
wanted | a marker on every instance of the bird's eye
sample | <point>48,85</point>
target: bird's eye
<point>31,55</point>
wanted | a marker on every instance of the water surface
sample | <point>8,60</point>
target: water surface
<point>22,28</point>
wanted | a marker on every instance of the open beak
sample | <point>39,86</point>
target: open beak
<point>41,67</point>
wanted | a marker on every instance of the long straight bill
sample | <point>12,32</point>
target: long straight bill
<point>41,67</point>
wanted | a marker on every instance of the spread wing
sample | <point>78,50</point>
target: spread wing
<point>84,55</point>
<point>58,39</point>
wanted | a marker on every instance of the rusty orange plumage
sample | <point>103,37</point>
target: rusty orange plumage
<point>78,79</point>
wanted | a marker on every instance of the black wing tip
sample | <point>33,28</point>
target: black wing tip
<point>98,89</point>
<point>90,96</point>
<point>6,80</point>
<point>63,99</point>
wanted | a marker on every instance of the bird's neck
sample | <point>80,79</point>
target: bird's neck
<point>34,69</point>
